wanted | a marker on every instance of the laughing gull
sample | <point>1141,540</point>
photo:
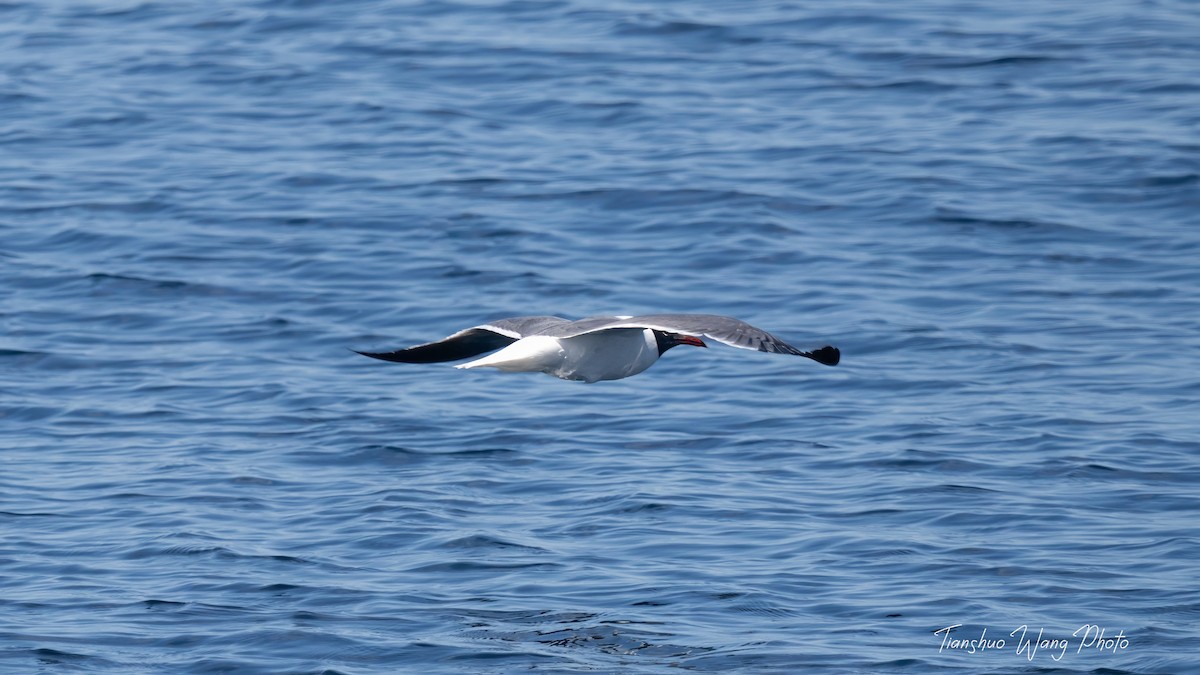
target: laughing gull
<point>593,349</point>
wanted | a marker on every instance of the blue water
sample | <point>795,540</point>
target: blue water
<point>993,209</point>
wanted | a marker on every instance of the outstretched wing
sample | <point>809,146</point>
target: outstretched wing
<point>724,329</point>
<point>472,341</point>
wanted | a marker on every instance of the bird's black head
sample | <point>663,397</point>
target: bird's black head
<point>667,340</point>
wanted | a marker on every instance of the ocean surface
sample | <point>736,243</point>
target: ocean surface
<point>993,209</point>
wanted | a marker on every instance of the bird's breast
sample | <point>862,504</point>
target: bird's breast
<point>607,355</point>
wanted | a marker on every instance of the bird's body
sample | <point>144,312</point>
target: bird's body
<point>593,349</point>
<point>591,357</point>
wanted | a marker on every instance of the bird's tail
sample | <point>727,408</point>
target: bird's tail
<point>530,355</point>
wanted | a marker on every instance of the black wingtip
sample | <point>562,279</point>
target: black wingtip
<point>826,355</point>
<point>382,356</point>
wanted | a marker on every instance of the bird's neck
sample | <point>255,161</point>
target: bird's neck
<point>664,342</point>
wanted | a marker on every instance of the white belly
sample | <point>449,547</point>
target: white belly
<point>607,355</point>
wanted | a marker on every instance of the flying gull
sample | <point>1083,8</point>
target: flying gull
<point>593,349</point>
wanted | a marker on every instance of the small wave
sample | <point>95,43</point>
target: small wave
<point>464,566</point>
<point>484,542</point>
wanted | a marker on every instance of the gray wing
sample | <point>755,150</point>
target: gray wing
<point>724,329</point>
<point>472,341</point>
<point>524,326</point>
<point>589,325</point>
